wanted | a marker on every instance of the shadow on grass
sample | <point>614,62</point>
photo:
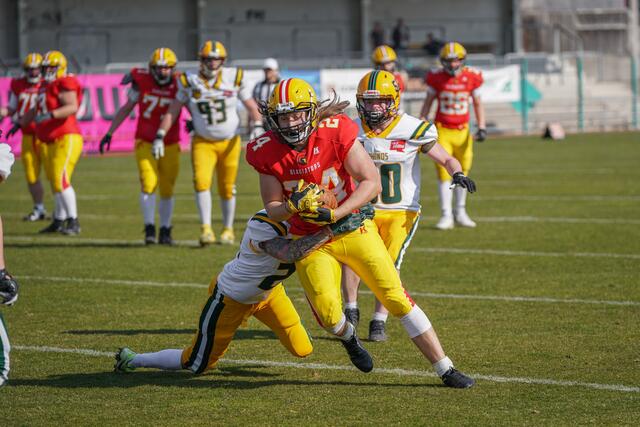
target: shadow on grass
<point>242,334</point>
<point>227,377</point>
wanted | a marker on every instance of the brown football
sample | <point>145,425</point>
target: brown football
<point>328,199</point>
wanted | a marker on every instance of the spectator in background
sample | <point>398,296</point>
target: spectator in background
<point>400,35</point>
<point>377,34</point>
<point>263,89</point>
<point>433,45</point>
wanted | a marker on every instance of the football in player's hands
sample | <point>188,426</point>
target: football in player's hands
<point>328,198</point>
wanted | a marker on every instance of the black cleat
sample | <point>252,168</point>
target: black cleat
<point>150,234</point>
<point>352,315</point>
<point>456,379</point>
<point>71,227</point>
<point>164,238</point>
<point>358,354</point>
<point>376,331</point>
<point>55,227</point>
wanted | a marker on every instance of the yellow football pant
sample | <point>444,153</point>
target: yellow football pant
<point>223,156</point>
<point>222,316</point>
<point>162,172</point>
<point>396,229</point>
<point>62,156</point>
<point>34,154</point>
<point>363,250</point>
<point>458,143</point>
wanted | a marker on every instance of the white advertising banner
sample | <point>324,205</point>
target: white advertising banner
<point>501,84</point>
<point>344,82</point>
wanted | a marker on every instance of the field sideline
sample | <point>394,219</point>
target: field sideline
<point>541,303</point>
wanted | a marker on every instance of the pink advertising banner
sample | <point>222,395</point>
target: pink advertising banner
<point>103,94</point>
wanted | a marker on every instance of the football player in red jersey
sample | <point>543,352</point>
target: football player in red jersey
<point>313,144</point>
<point>153,89</point>
<point>59,98</point>
<point>22,98</point>
<point>452,85</point>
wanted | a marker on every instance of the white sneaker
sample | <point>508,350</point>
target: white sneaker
<point>445,223</point>
<point>463,220</point>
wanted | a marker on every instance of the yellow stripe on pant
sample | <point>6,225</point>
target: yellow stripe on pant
<point>34,154</point>
<point>458,143</point>
<point>222,156</point>
<point>364,251</point>
<point>162,172</point>
<point>62,156</point>
<point>222,316</point>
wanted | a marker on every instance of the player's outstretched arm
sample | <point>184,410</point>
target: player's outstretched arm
<point>426,106</point>
<point>170,117</point>
<point>478,107</point>
<point>121,115</point>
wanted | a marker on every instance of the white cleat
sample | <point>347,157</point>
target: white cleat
<point>445,223</point>
<point>463,220</point>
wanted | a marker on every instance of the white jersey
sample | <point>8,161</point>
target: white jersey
<point>395,153</point>
<point>213,103</point>
<point>248,279</point>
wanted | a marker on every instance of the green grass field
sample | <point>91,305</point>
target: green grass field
<point>541,303</point>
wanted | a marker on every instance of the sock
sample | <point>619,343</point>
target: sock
<point>166,211</point>
<point>351,305</point>
<point>442,366</point>
<point>228,207</point>
<point>165,359</point>
<point>203,201</point>
<point>446,196</point>
<point>39,207</point>
<point>461,199</point>
<point>68,197</point>
<point>59,212</point>
<point>380,316</point>
<point>349,332</point>
<point>148,207</point>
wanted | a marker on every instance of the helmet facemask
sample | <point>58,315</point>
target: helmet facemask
<point>161,78</point>
<point>447,64</point>
<point>33,74</point>
<point>209,66</point>
<point>50,72</point>
<point>295,135</point>
<point>372,116</point>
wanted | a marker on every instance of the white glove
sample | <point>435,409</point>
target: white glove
<point>157,149</point>
<point>6,161</point>
<point>256,130</point>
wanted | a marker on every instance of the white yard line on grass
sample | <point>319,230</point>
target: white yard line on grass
<point>296,289</point>
<point>387,371</point>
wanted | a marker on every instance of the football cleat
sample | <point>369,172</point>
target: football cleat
<point>3,381</point>
<point>35,215</point>
<point>376,331</point>
<point>206,236</point>
<point>71,227</point>
<point>463,220</point>
<point>456,379</point>
<point>55,227</point>
<point>359,356</point>
<point>149,234</point>
<point>124,357</point>
<point>164,237</point>
<point>352,315</point>
<point>445,223</point>
<point>227,237</point>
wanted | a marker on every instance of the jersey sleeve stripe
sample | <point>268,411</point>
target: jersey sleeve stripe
<point>426,129</point>
<point>239,75</point>
<point>184,81</point>
<point>278,227</point>
<point>218,81</point>
<point>418,130</point>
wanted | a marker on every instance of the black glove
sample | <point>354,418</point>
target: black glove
<point>105,142</point>
<point>460,179</point>
<point>188,125</point>
<point>481,135</point>
<point>8,288</point>
<point>15,128</point>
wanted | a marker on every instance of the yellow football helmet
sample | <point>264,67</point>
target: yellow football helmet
<point>163,57</point>
<point>31,66</point>
<point>292,96</point>
<point>211,49</point>
<point>54,65</point>
<point>383,54</point>
<point>452,51</point>
<point>378,97</point>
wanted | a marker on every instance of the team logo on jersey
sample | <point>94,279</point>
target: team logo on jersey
<point>316,151</point>
<point>227,93</point>
<point>398,145</point>
<point>302,159</point>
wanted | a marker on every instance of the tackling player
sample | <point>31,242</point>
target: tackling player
<point>452,85</point>
<point>394,140</point>
<point>249,285</point>
<point>59,98</point>
<point>22,98</point>
<point>152,90</point>
<point>212,98</point>
<point>316,143</point>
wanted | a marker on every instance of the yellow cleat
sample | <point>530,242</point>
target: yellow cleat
<point>227,237</point>
<point>207,237</point>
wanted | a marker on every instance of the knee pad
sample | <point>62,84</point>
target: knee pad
<point>416,322</point>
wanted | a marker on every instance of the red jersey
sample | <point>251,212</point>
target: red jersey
<point>453,95</point>
<point>24,96</point>
<point>399,79</point>
<point>48,100</point>
<point>322,162</point>
<point>153,103</point>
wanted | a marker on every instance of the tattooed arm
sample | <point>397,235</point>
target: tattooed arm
<point>290,251</point>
